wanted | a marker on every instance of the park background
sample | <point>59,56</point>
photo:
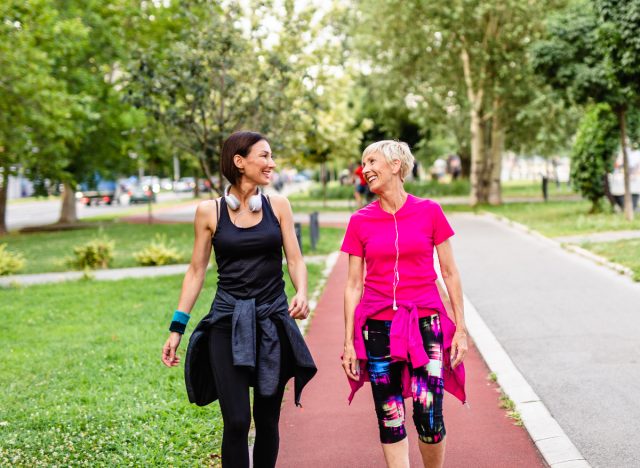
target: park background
<point>538,100</point>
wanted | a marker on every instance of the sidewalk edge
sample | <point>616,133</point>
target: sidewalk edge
<point>550,439</point>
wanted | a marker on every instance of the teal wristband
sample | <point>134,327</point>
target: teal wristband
<point>182,317</point>
<point>179,322</point>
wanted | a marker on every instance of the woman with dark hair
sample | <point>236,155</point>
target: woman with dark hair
<point>250,337</point>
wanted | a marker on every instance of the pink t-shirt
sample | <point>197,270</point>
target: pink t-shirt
<point>421,226</point>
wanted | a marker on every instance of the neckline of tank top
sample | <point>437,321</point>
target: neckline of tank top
<point>263,212</point>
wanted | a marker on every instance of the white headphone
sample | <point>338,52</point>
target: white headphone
<point>255,202</point>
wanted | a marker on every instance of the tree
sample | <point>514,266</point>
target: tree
<point>589,53</point>
<point>593,153</point>
<point>35,108</point>
<point>224,70</point>
<point>465,56</point>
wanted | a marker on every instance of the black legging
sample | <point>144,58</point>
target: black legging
<point>232,384</point>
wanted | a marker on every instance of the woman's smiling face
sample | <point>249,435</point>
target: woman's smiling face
<point>378,172</point>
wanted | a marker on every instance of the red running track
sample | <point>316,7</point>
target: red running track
<point>328,432</point>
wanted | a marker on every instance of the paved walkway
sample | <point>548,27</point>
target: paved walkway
<point>112,274</point>
<point>328,432</point>
<point>569,325</point>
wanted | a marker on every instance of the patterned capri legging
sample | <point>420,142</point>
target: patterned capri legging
<point>427,385</point>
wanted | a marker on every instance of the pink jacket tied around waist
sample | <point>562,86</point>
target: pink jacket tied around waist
<point>405,343</point>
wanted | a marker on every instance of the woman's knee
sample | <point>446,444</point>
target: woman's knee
<point>238,423</point>
<point>430,428</point>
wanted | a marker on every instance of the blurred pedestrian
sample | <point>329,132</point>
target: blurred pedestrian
<point>361,187</point>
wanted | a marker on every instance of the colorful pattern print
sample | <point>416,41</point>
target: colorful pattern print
<point>427,384</point>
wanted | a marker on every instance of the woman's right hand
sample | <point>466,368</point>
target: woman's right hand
<point>169,356</point>
<point>350,362</point>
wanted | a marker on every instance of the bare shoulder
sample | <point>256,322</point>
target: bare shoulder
<point>280,205</point>
<point>206,211</point>
<point>207,206</point>
<point>278,199</point>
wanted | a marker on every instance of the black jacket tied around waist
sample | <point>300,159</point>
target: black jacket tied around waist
<point>244,314</point>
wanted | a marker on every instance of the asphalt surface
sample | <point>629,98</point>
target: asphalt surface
<point>40,213</point>
<point>570,326</point>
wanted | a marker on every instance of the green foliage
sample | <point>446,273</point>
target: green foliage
<point>593,153</point>
<point>10,262</point>
<point>159,252</point>
<point>419,189</point>
<point>97,253</point>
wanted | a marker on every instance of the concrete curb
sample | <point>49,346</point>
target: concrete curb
<point>554,445</point>
<point>623,270</point>
<point>552,442</point>
<point>112,274</point>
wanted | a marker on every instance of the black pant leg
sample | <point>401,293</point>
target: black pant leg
<point>232,384</point>
<point>266,410</point>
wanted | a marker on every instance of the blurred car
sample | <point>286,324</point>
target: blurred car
<point>141,194</point>
<point>105,191</point>
<point>184,184</point>
<point>166,184</point>
<point>150,183</point>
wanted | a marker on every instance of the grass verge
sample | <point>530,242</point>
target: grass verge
<point>624,252</point>
<point>82,382</point>
<point>563,218</point>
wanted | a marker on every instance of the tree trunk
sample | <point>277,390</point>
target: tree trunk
<point>4,192</point>
<point>478,157</point>
<point>68,213</point>
<point>628,206</point>
<point>478,195</point>
<point>497,143</point>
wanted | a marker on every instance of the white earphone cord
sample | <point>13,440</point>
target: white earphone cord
<point>396,272</point>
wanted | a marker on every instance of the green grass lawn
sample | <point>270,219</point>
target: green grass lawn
<point>563,218</point>
<point>624,252</point>
<point>46,251</point>
<point>82,382</point>
<point>533,188</point>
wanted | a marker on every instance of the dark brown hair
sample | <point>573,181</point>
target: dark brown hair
<point>238,143</point>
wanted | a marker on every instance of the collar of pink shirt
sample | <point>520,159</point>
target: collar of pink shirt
<point>406,343</point>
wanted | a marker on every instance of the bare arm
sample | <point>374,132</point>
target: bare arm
<point>352,296</point>
<point>299,307</point>
<point>204,225</point>
<point>452,281</point>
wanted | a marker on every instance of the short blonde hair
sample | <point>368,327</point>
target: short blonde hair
<point>393,150</point>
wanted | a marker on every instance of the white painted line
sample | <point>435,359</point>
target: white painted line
<point>553,443</point>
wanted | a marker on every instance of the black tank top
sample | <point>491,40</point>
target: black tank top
<point>249,259</point>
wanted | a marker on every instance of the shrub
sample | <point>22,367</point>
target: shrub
<point>159,252</point>
<point>593,153</point>
<point>10,262</point>
<point>97,253</point>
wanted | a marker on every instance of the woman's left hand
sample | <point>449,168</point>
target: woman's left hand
<point>458,348</point>
<point>299,307</point>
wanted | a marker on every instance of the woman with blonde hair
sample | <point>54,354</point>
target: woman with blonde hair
<point>397,332</point>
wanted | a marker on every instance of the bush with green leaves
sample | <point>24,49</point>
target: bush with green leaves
<point>593,153</point>
<point>159,252</point>
<point>10,262</point>
<point>97,253</point>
